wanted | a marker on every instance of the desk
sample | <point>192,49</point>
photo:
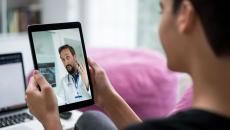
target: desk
<point>36,125</point>
<point>66,124</point>
<point>69,124</point>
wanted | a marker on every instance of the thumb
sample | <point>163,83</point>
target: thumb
<point>92,75</point>
<point>41,81</point>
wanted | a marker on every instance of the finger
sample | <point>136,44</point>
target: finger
<point>92,64</point>
<point>80,66</point>
<point>91,69</point>
<point>92,73</point>
<point>32,86</point>
<point>80,69</point>
<point>83,67</point>
<point>40,80</point>
<point>26,99</point>
<point>29,77</point>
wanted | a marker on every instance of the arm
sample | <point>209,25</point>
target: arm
<point>120,112</point>
<point>53,123</point>
<point>43,103</point>
<point>108,99</point>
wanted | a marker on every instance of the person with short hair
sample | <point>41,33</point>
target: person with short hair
<point>195,37</point>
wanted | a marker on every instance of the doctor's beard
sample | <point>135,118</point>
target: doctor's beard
<point>70,69</point>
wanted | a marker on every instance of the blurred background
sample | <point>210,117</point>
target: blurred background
<point>106,23</point>
<point>126,24</point>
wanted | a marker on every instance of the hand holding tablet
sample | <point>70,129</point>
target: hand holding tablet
<point>59,54</point>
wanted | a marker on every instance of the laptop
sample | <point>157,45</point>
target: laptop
<point>14,114</point>
<point>13,111</point>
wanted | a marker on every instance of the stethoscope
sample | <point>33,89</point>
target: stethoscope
<point>75,84</point>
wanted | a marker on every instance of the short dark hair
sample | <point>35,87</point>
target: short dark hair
<point>66,46</point>
<point>214,19</point>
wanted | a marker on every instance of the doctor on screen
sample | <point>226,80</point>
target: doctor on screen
<point>75,85</point>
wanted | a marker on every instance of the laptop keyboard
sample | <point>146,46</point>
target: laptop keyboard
<point>15,119</point>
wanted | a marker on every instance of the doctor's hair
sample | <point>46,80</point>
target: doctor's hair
<point>66,46</point>
<point>213,15</point>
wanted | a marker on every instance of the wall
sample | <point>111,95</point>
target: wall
<point>110,23</point>
<point>54,11</point>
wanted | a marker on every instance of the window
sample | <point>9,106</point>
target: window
<point>111,23</point>
<point>148,24</point>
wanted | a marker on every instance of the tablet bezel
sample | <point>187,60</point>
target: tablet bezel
<point>59,26</point>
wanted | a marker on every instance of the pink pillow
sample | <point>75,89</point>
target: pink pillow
<point>141,77</point>
<point>185,102</point>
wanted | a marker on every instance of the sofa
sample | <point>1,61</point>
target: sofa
<point>141,77</point>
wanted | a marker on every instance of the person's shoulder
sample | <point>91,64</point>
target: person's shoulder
<point>170,123</point>
<point>64,78</point>
<point>187,120</point>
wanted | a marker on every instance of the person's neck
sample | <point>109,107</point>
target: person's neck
<point>212,86</point>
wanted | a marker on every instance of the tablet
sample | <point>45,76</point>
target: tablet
<point>59,54</point>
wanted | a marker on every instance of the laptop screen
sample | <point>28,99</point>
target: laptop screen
<point>12,82</point>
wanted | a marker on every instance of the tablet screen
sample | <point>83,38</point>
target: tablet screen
<point>60,58</point>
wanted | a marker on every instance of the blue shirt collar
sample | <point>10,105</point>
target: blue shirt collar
<point>76,76</point>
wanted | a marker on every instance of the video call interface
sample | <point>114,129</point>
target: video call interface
<point>11,78</point>
<point>60,59</point>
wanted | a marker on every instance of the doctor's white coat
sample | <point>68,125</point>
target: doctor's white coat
<point>67,92</point>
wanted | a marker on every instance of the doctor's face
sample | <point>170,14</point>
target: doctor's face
<point>69,61</point>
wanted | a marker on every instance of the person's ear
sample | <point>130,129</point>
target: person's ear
<point>185,17</point>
